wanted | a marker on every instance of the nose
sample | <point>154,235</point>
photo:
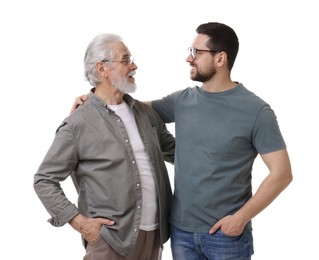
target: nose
<point>133,65</point>
<point>189,58</point>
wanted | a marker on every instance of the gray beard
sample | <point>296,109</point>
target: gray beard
<point>123,85</point>
<point>126,87</point>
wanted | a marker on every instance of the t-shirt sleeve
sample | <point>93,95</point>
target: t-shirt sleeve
<point>267,136</point>
<point>165,107</point>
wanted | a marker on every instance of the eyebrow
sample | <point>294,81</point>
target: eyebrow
<point>126,55</point>
<point>123,56</point>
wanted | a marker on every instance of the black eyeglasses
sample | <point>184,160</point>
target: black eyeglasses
<point>193,52</point>
<point>126,61</point>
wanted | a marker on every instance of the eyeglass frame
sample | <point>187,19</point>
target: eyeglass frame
<point>193,52</point>
<point>125,61</point>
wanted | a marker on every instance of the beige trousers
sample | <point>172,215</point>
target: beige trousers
<point>147,247</point>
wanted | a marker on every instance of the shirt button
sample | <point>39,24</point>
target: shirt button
<point>126,140</point>
<point>138,185</point>
<point>133,162</point>
<point>135,230</point>
<point>138,207</point>
<point>118,120</point>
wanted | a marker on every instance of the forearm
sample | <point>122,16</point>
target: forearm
<point>277,180</point>
<point>267,192</point>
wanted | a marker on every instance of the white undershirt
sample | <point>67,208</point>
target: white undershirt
<point>149,220</point>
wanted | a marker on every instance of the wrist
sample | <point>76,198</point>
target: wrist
<point>77,222</point>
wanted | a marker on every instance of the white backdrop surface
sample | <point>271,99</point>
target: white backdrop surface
<point>41,62</point>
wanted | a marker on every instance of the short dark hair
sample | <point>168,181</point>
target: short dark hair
<point>222,38</point>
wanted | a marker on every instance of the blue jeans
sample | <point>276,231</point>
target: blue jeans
<point>203,246</point>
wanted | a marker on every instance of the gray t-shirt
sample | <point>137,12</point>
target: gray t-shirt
<point>218,136</point>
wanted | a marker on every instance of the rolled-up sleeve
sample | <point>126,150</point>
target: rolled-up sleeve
<point>57,165</point>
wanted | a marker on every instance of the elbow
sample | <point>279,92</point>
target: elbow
<point>288,177</point>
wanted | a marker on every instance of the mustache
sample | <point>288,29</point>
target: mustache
<point>131,73</point>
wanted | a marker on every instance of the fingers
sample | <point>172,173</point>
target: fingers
<point>105,221</point>
<point>74,107</point>
<point>83,98</point>
<point>214,228</point>
<point>79,101</point>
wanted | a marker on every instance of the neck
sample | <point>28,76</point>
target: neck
<point>216,84</point>
<point>110,95</point>
<point>219,87</point>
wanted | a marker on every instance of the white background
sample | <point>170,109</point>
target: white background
<point>41,64</point>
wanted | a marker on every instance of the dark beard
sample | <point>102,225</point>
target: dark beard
<point>203,77</point>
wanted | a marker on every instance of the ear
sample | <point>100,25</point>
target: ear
<point>101,69</point>
<point>221,59</point>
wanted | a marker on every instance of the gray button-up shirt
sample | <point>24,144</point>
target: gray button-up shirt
<point>92,146</point>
